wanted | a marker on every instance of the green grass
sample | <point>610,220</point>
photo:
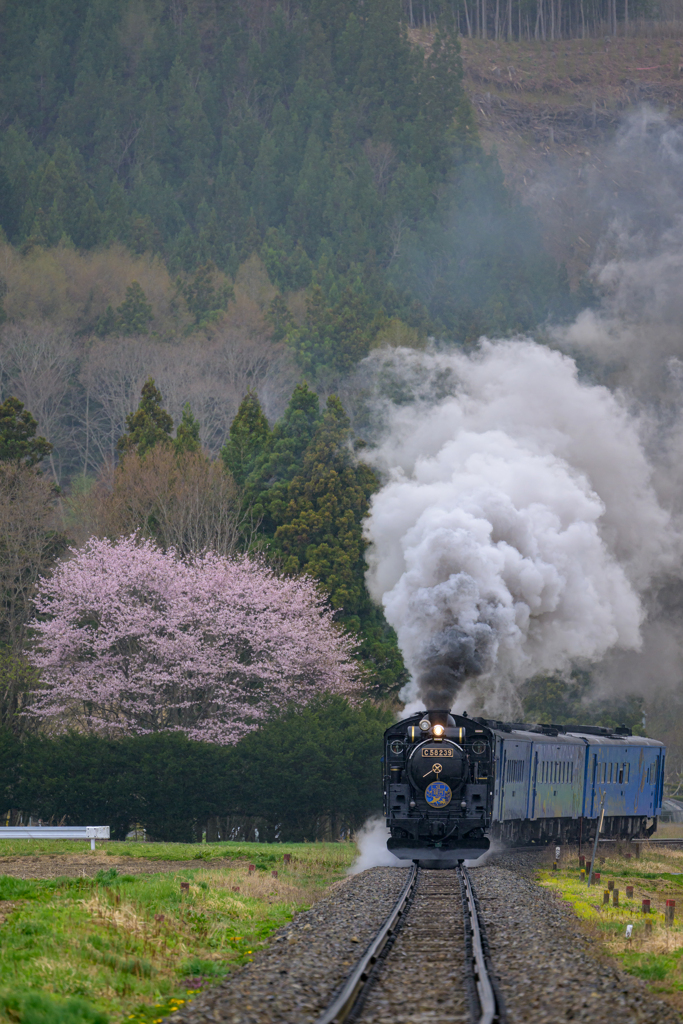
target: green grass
<point>261,854</point>
<point>655,952</point>
<point>134,947</point>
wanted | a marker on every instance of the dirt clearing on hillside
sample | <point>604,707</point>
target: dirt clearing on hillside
<point>550,111</point>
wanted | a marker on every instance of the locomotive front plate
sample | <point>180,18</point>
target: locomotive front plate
<point>437,752</point>
<point>438,794</point>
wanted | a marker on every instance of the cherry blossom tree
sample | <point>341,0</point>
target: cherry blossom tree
<point>133,639</point>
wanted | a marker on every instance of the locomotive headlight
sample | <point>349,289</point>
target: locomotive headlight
<point>425,725</point>
<point>438,730</point>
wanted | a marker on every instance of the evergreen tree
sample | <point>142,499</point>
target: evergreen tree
<point>203,299</point>
<point>107,323</point>
<point>281,459</point>
<point>249,439</point>
<point>187,434</point>
<point>149,425</point>
<point>319,532</point>
<point>279,317</point>
<point>342,129</point>
<point>135,314</point>
<point>18,441</point>
<point>319,525</point>
<point>335,336</point>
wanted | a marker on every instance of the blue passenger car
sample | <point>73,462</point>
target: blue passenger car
<point>550,783</point>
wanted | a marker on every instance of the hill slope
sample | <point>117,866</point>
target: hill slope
<point>550,111</point>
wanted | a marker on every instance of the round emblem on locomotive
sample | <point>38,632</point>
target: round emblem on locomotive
<point>438,794</point>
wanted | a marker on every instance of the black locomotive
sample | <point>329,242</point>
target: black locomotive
<point>452,782</point>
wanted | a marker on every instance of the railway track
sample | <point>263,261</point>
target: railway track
<point>429,961</point>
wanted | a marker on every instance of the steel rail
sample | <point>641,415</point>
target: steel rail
<point>343,1003</point>
<point>488,1001</point>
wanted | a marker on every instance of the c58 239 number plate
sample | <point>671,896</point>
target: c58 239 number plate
<point>437,751</point>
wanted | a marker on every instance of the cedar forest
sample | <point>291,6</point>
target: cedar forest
<point>209,215</point>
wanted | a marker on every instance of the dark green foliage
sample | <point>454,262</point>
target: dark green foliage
<point>335,336</point>
<point>288,266</point>
<point>149,425</point>
<point>133,316</point>
<point>319,518</point>
<point>281,453</point>
<point>135,313</point>
<point>314,766</point>
<point>321,762</point>
<point>18,441</point>
<point>81,777</point>
<point>203,299</point>
<point>187,434</point>
<point>108,323</point>
<point>249,438</point>
<point>18,679</point>
<point>11,752</point>
<point>558,700</point>
<point>162,780</point>
<point>177,782</point>
<point>315,134</point>
<point>280,319</point>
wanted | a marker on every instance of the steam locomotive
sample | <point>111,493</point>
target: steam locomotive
<point>453,783</point>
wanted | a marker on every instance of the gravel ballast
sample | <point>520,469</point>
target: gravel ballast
<point>294,979</point>
<point>548,971</point>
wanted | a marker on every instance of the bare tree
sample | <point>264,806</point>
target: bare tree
<point>111,376</point>
<point>29,546</point>
<point>382,159</point>
<point>182,501</point>
<point>212,374</point>
<point>37,360</point>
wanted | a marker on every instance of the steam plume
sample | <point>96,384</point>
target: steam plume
<point>518,526</point>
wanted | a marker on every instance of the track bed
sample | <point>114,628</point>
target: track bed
<point>547,969</point>
<point>428,955</point>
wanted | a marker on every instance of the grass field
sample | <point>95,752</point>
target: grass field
<point>655,951</point>
<point>260,854</point>
<point>126,946</point>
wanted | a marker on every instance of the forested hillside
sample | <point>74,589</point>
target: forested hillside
<point>312,133</point>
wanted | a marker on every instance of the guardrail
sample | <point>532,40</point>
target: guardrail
<point>91,832</point>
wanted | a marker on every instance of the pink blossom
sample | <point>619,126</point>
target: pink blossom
<point>136,639</point>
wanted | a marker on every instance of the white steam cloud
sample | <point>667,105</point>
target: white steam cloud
<point>371,841</point>
<point>518,527</point>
